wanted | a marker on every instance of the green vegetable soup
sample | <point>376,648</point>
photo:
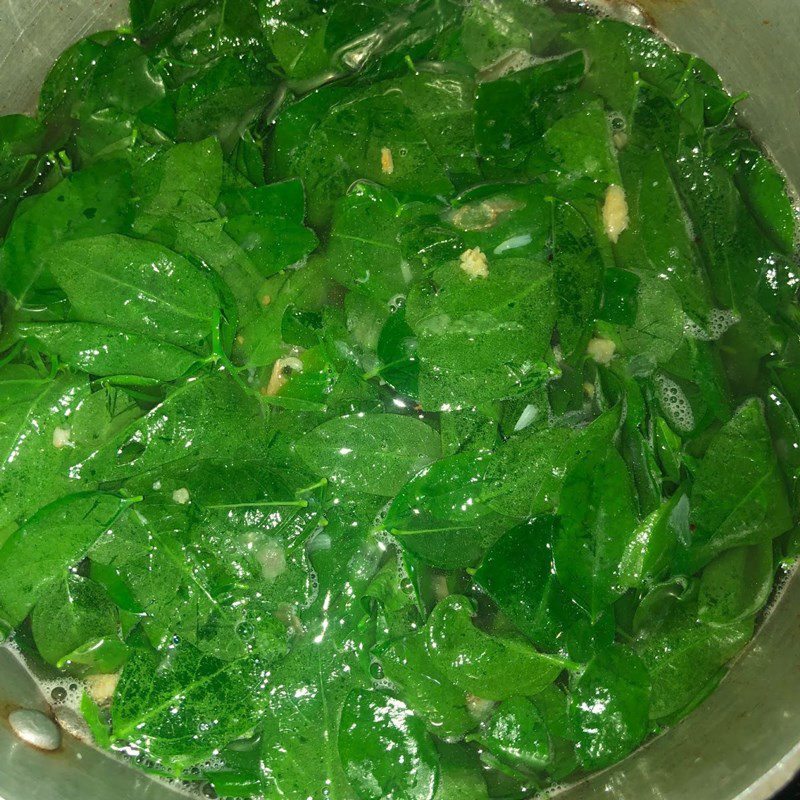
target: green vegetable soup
<point>397,397</point>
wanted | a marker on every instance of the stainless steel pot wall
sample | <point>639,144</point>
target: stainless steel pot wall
<point>744,742</point>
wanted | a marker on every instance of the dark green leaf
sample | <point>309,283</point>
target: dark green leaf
<point>100,350</point>
<point>440,515</point>
<point>137,286</point>
<point>425,688</point>
<point>516,734</point>
<point>179,708</point>
<point>683,655</point>
<point>481,339</point>
<point>736,584</point>
<point>598,517</point>
<point>92,202</point>
<point>750,506</point>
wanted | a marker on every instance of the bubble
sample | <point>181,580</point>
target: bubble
<point>675,404</point>
<point>58,694</point>
<point>719,321</point>
<point>396,303</point>
<point>376,670</point>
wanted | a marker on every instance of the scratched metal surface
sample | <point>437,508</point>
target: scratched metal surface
<point>33,33</point>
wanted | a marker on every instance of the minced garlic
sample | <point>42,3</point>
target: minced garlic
<point>601,350</point>
<point>387,161</point>
<point>181,496</point>
<point>62,438</point>
<point>101,688</point>
<point>279,376</point>
<point>475,263</point>
<point>615,212</point>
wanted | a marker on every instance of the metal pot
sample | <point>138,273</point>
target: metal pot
<point>744,741</point>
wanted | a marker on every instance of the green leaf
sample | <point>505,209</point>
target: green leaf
<point>180,707</point>
<point>70,613</point>
<point>553,705</point>
<point>372,453</point>
<point>517,572</point>
<point>104,351</point>
<point>523,476</point>
<point>659,240</point>
<point>503,220</point>
<point>505,128</point>
<point>35,412</point>
<point>273,244</point>
<point>658,330</point>
<point>652,545</point>
<point>364,253</point>
<point>491,667</point>
<point>460,774</point>
<point>397,351</point>
<point>137,286</point>
<point>578,267</point>
<point>750,506</point>
<point>443,108</point>
<point>385,750</point>
<point>206,417</point>
<point>31,557</point>
<point>736,584</point>
<point>94,719</point>
<point>491,30</point>
<point>785,430</point>
<point>187,168</point>
<point>597,508</point>
<point>480,339</point>
<point>92,202</point>
<point>347,139</point>
<point>581,145</point>
<point>441,516</point>
<point>426,689</point>
<point>683,655</point>
<point>307,689</point>
<point>764,191</point>
<point>609,707</point>
<point>517,734</point>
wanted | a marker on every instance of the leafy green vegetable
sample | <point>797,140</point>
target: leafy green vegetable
<point>93,202</point>
<point>609,707</point>
<point>751,505</point>
<point>459,492</point>
<point>425,688</point>
<point>100,350</point>
<point>210,416</point>
<point>181,707</point>
<point>517,734</point>
<point>736,584</point>
<point>372,724</point>
<point>372,453</point>
<point>71,613</point>
<point>517,572</point>
<point>684,654</point>
<point>479,339</point>
<point>140,287</point>
<point>598,517</point>
<point>440,514</point>
<point>31,557</point>
<point>33,412</point>
<point>494,668</point>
